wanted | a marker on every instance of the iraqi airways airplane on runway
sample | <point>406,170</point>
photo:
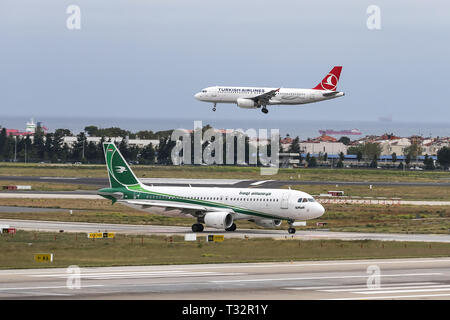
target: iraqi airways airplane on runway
<point>215,207</point>
<point>257,97</point>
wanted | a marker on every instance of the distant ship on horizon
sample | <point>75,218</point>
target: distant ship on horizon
<point>340,132</point>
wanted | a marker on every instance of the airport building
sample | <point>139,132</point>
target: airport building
<point>70,140</point>
<point>322,147</point>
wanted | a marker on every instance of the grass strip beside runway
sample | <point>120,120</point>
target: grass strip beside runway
<point>76,249</point>
<point>225,172</point>
<point>383,192</point>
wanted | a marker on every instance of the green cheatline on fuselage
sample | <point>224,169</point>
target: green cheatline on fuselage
<point>123,180</point>
<point>139,193</point>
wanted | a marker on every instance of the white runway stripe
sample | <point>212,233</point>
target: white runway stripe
<point>42,288</point>
<point>383,288</point>
<point>356,286</point>
<point>321,278</point>
<point>396,297</point>
<point>239,266</point>
<point>139,274</point>
<point>123,276</point>
<point>40,294</point>
<point>402,291</point>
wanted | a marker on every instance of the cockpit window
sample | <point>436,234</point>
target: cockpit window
<point>305,200</point>
<point>300,200</point>
<point>311,200</point>
<point>204,91</point>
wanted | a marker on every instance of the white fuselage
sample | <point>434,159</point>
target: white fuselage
<point>245,203</point>
<point>284,96</point>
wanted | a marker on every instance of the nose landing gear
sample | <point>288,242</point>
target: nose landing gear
<point>214,107</point>
<point>291,229</point>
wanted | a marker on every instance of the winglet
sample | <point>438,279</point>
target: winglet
<point>331,80</point>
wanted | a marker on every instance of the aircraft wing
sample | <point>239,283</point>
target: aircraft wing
<point>263,99</point>
<point>168,205</point>
<point>184,207</point>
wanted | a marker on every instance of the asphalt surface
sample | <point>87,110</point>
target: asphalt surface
<point>56,226</point>
<point>28,209</point>
<point>342,280</point>
<point>232,183</point>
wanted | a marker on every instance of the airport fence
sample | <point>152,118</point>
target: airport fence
<point>360,200</point>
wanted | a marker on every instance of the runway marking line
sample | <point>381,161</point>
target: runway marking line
<point>141,274</point>
<point>54,287</point>
<point>320,278</point>
<point>251,266</point>
<point>355,287</point>
<point>406,290</point>
<point>395,297</point>
<point>40,294</point>
<point>385,288</point>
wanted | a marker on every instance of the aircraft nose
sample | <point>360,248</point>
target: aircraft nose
<point>320,210</point>
<point>197,95</point>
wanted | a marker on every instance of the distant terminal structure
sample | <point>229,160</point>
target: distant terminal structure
<point>30,129</point>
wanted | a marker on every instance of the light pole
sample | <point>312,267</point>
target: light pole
<point>82,156</point>
<point>15,148</point>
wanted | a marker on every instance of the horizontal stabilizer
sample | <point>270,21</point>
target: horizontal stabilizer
<point>330,94</point>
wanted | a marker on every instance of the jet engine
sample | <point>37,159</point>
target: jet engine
<point>246,103</point>
<point>268,223</point>
<point>218,220</point>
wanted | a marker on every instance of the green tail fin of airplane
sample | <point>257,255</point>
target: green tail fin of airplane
<point>119,171</point>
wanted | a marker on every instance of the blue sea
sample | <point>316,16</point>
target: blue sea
<point>303,128</point>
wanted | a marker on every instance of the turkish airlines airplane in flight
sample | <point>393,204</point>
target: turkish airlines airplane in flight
<point>215,207</point>
<point>257,97</point>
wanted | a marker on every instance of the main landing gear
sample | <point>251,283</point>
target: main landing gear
<point>197,227</point>
<point>264,109</point>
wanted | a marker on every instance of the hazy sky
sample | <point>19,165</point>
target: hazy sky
<point>147,58</point>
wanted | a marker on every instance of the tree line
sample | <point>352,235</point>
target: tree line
<point>50,147</point>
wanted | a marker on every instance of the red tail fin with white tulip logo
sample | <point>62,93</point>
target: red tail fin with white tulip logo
<point>331,80</point>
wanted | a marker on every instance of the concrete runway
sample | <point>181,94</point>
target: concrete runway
<point>56,226</point>
<point>343,280</point>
